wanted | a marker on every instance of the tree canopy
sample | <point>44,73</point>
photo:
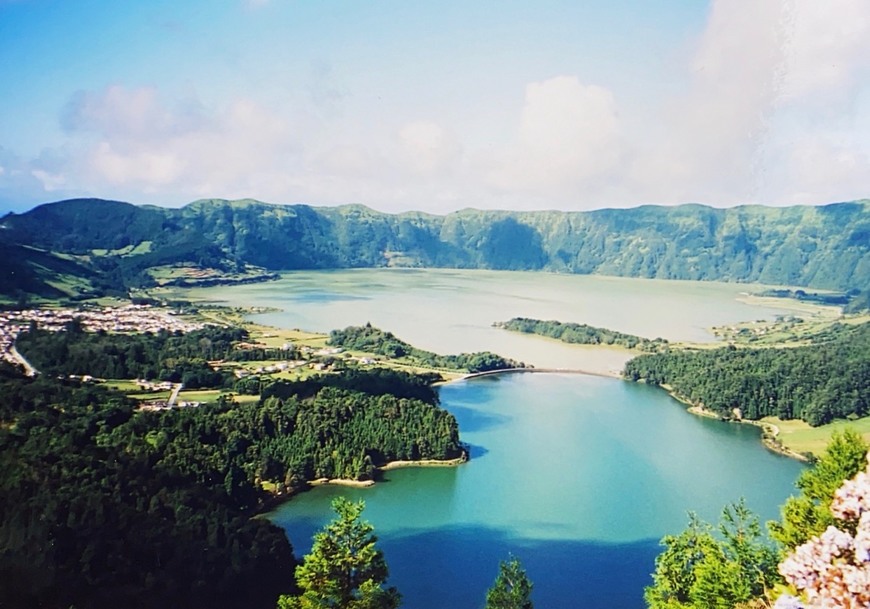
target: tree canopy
<point>374,340</point>
<point>345,569</point>
<point>102,504</point>
<point>737,566</point>
<point>512,588</point>
<point>817,383</point>
<point>703,569</point>
<point>582,334</point>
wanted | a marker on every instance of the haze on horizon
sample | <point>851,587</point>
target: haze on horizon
<point>559,104</point>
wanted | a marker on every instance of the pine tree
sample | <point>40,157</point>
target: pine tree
<point>344,570</point>
<point>512,588</point>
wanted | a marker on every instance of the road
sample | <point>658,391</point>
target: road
<point>173,397</point>
<point>28,369</point>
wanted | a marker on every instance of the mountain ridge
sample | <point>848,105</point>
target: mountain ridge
<point>824,247</point>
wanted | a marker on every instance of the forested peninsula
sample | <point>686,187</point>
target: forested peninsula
<point>826,379</point>
<point>92,246</point>
<point>107,504</point>
<point>374,340</point>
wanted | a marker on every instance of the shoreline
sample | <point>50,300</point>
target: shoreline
<point>604,374</point>
<point>769,431</point>
<point>341,482</point>
<point>277,499</point>
<point>769,434</point>
<point>390,465</point>
<point>463,458</point>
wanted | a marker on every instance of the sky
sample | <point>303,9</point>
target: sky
<point>435,105</point>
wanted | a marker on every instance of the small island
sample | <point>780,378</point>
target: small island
<point>581,334</point>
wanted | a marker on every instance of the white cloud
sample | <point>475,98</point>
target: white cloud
<point>569,133</point>
<point>150,169</point>
<point>427,148</point>
<point>135,142</point>
<point>819,142</point>
<point>771,105</point>
<point>772,81</point>
<point>706,146</point>
<point>51,182</point>
<point>21,187</point>
<point>827,47</point>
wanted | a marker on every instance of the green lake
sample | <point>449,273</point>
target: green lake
<point>579,476</point>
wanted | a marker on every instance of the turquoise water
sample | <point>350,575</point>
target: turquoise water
<point>578,476</point>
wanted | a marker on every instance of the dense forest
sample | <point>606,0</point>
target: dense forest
<point>581,334</point>
<point>175,357</point>
<point>104,505</point>
<point>101,506</point>
<point>374,340</point>
<point>819,382</point>
<point>823,247</point>
<point>833,299</point>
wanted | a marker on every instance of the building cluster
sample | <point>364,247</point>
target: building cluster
<point>130,318</point>
<point>270,369</point>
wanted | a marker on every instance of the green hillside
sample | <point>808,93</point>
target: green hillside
<point>825,247</point>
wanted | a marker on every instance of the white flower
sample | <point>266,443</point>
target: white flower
<point>832,570</point>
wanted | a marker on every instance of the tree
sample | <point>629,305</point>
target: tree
<point>700,570</point>
<point>809,514</point>
<point>674,576</point>
<point>344,570</point>
<point>511,589</point>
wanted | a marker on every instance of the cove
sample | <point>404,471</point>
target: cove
<point>578,476</point>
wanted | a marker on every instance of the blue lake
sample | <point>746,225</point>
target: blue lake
<point>579,476</point>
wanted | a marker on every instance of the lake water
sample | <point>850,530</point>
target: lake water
<point>452,311</point>
<point>579,476</point>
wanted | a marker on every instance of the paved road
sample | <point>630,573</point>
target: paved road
<point>173,397</point>
<point>29,370</point>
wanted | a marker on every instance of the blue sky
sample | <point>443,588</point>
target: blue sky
<point>435,106</point>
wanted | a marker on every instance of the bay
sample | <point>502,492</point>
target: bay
<point>579,476</point>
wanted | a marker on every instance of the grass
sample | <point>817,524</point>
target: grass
<point>786,332</point>
<point>149,395</point>
<point>69,284</point>
<point>194,273</point>
<point>800,437</point>
<point>206,396</point>
<point>129,250</point>
<point>122,385</point>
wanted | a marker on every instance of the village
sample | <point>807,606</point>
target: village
<point>153,394</point>
<point>130,318</point>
